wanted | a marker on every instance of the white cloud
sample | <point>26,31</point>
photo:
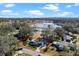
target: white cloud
<point>52,7</point>
<point>76,4</point>
<point>69,6</point>
<point>56,4</point>
<point>65,14</point>
<point>1,16</point>
<point>6,11</point>
<point>40,1</point>
<point>9,13</point>
<point>9,5</point>
<point>35,12</point>
<point>14,14</point>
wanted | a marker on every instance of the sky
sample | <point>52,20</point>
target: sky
<point>39,10</point>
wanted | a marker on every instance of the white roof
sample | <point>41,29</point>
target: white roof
<point>45,25</point>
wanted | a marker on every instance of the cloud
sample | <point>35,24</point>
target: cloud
<point>76,4</point>
<point>52,7</point>
<point>9,13</point>
<point>69,6</point>
<point>1,16</point>
<point>14,14</point>
<point>9,5</point>
<point>64,14</point>
<point>35,12</point>
<point>6,11</point>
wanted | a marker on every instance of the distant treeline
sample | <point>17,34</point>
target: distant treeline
<point>55,20</point>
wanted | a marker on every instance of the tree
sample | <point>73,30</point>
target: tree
<point>59,33</point>
<point>26,29</point>
<point>5,29</point>
<point>16,24</point>
<point>7,45</point>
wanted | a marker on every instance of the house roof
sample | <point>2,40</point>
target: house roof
<point>45,25</point>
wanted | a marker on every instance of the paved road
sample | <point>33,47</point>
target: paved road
<point>34,53</point>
